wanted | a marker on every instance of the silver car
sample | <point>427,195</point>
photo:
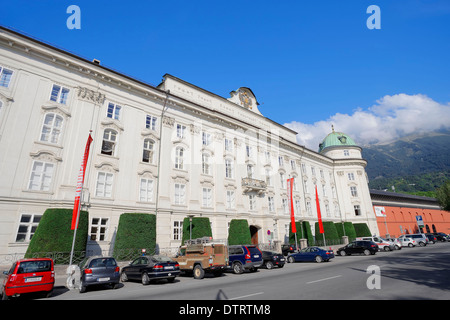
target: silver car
<point>405,241</point>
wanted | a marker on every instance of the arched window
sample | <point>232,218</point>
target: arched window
<point>148,151</point>
<point>51,129</point>
<point>109,142</point>
<point>179,158</point>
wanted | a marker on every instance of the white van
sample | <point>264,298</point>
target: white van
<point>382,244</point>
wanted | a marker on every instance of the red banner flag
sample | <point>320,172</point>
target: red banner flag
<point>290,183</point>
<point>81,173</point>
<point>319,216</point>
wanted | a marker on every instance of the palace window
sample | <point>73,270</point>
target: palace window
<point>109,142</point>
<point>113,111</point>
<point>41,176</point>
<point>27,227</point>
<point>5,77</point>
<point>147,155</point>
<point>59,94</point>
<point>51,128</point>
<point>104,184</point>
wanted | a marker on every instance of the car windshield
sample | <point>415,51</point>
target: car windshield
<point>34,266</point>
<point>161,259</point>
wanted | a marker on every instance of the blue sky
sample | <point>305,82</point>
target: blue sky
<point>309,63</point>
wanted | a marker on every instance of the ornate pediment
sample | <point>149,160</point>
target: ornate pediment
<point>245,98</point>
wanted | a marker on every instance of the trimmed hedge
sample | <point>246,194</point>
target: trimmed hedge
<point>239,232</point>
<point>201,227</point>
<point>307,233</point>
<point>53,235</point>
<point>349,230</point>
<point>362,230</point>
<point>300,232</point>
<point>330,232</point>
<point>135,231</point>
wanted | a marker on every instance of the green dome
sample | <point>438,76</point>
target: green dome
<point>336,139</point>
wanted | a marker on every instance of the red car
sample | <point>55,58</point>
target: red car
<point>29,275</point>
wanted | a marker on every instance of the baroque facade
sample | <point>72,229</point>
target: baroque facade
<point>172,150</point>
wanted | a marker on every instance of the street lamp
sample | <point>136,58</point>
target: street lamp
<point>190,225</point>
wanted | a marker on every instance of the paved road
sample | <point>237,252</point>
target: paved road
<point>411,273</point>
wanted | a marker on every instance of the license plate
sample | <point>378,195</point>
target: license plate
<point>256,256</point>
<point>103,279</point>
<point>168,268</point>
<point>282,259</point>
<point>34,279</point>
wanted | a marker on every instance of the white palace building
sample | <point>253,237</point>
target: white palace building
<point>172,150</point>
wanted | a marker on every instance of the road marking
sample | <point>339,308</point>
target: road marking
<point>248,295</point>
<point>323,279</point>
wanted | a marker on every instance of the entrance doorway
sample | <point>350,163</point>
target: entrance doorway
<point>254,234</point>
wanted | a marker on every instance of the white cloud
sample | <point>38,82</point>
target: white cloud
<point>390,118</point>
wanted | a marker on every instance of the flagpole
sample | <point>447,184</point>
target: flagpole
<point>75,232</point>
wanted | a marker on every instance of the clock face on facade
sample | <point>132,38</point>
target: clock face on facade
<point>245,99</point>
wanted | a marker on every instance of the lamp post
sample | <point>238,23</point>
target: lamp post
<point>190,225</point>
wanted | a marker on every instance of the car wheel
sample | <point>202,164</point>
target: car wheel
<point>291,259</point>
<point>123,277</point>
<point>269,265</point>
<point>82,288</point>
<point>397,247</point>
<point>145,279</point>
<point>237,268</point>
<point>199,273</point>
<point>366,252</point>
<point>387,248</point>
<point>342,253</point>
<point>319,259</point>
<point>410,245</point>
<point>422,244</point>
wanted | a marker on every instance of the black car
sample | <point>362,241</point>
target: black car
<point>147,268</point>
<point>271,259</point>
<point>440,236</point>
<point>431,237</point>
<point>99,270</point>
<point>364,247</point>
<point>288,248</point>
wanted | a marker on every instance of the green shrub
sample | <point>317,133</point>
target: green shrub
<point>331,234</point>
<point>201,227</point>
<point>136,231</point>
<point>349,230</point>
<point>307,234</point>
<point>53,235</point>
<point>239,232</point>
<point>300,233</point>
<point>362,230</point>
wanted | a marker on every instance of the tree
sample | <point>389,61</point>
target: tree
<point>443,195</point>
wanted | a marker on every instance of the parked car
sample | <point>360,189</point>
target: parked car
<point>98,270</point>
<point>405,241</point>
<point>203,255</point>
<point>148,268</point>
<point>311,254</point>
<point>420,238</point>
<point>288,248</point>
<point>382,243</point>
<point>244,257</point>
<point>271,259</point>
<point>440,236</point>
<point>365,247</point>
<point>431,238</point>
<point>397,243</point>
<point>27,276</point>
